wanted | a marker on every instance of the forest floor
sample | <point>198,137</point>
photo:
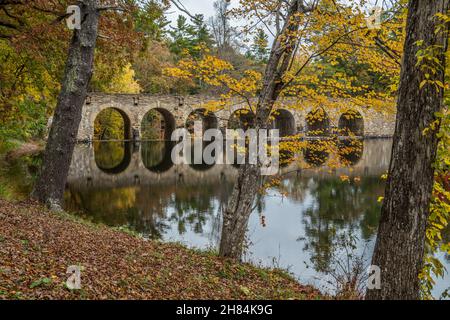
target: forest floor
<point>37,247</point>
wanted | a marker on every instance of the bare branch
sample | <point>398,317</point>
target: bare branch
<point>183,9</point>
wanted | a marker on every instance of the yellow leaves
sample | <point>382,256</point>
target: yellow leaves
<point>380,199</point>
<point>124,82</point>
<point>208,69</point>
<point>430,65</point>
<point>211,65</point>
<point>217,72</point>
<point>433,127</point>
<point>245,290</point>
<point>437,83</point>
<point>214,105</point>
<point>177,73</point>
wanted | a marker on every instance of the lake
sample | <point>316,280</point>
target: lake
<point>307,224</point>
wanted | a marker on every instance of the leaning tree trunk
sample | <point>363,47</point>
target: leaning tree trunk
<point>237,213</point>
<point>62,138</point>
<point>399,249</point>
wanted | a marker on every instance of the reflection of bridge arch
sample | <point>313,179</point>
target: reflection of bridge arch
<point>199,166</point>
<point>316,153</point>
<point>112,157</point>
<point>208,119</point>
<point>351,123</point>
<point>318,123</point>
<point>157,156</point>
<point>84,172</point>
<point>158,124</point>
<point>241,119</point>
<point>350,151</point>
<point>108,121</point>
<point>284,121</point>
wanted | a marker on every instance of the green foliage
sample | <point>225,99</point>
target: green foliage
<point>40,282</point>
<point>259,50</point>
<point>109,125</point>
<point>33,52</point>
<point>151,126</point>
<point>28,121</point>
<point>439,220</point>
<point>150,20</point>
<point>189,39</point>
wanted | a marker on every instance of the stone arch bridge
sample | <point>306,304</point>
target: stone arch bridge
<point>177,111</point>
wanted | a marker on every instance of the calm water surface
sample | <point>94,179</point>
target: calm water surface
<point>295,226</point>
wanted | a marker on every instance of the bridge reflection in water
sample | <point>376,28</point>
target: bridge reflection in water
<point>296,224</point>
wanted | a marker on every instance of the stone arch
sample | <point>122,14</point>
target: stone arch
<point>109,122</point>
<point>317,123</point>
<point>113,157</point>
<point>241,119</point>
<point>284,121</point>
<point>157,124</point>
<point>208,118</point>
<point>351,123</point>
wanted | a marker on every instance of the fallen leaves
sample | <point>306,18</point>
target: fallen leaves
<point>37,247</point>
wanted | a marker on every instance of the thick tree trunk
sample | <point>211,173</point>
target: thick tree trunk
<point>399,248</point>
<point>237,213</point>
<point>62,138</point>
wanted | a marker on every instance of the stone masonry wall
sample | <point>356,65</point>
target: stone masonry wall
<point>135,107</point>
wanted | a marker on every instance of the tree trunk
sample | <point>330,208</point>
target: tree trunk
<point>63,133</point>
<point>237,212</point>
<point>239,208</point>
<point>399,250</point>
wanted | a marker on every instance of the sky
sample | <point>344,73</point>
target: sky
<point>204,7</point>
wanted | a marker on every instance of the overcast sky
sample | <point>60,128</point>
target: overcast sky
<point>204,7</point>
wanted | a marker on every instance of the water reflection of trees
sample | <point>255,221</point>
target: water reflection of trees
<point>188,207</point>
<point>195,205</point>
<point>151,210</point>
<point>338,206</point>
<point>108,206</point>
